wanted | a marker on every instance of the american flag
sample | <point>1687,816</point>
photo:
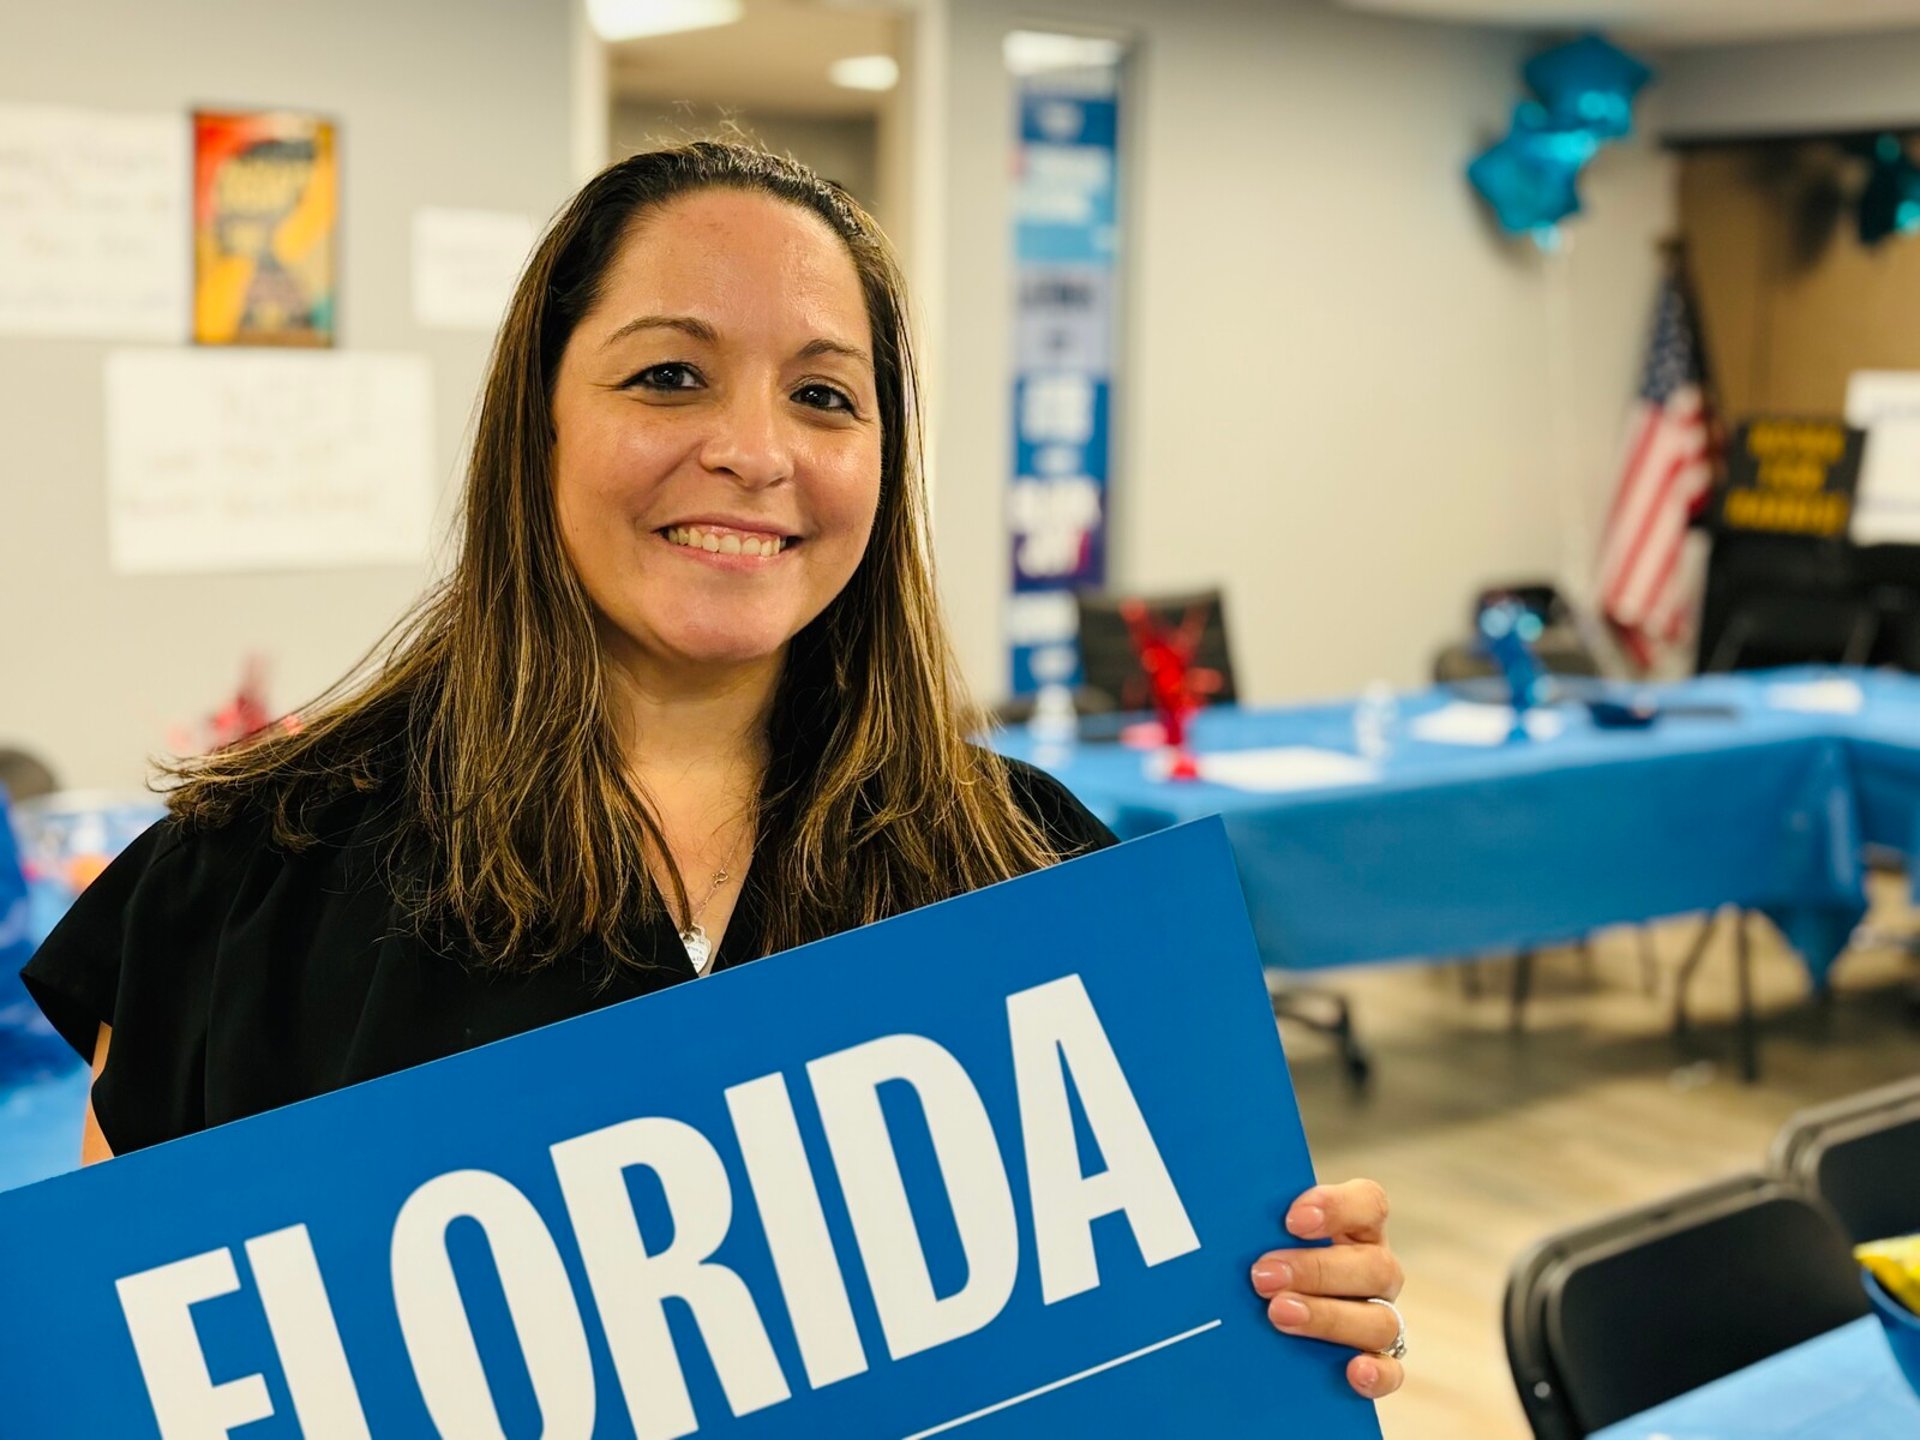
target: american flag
<point>1665,478</point>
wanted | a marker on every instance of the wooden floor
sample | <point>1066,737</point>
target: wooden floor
<point>1487,1140</point>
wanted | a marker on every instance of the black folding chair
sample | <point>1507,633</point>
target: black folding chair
<point>1609,1319</point>
<point>1861,1155</point>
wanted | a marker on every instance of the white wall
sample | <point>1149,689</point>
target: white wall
<point>1336,386</point>
<point>1798,85</point>
<point>844,148</point>
<point>437,105</point>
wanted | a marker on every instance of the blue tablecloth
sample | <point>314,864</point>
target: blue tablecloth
<point>1842,1386</point>
<point>1455,849</point>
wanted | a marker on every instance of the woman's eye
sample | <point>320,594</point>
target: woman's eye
<point>671,376</point>
<point>824,397</point>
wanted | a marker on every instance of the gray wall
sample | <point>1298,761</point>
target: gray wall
<point>1802,84</point>
<point>1339,396</point>
<point>464,106</point>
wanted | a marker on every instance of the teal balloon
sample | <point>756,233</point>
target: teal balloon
<point>1890,205</point>
<point>1589,83</point>
<point>1529,178</point>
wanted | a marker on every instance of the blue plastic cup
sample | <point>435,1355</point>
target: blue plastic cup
<point>1902,1327</point>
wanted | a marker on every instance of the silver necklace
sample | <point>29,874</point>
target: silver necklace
<point>694,937</point>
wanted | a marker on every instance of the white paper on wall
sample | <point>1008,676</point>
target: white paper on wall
<point>465,263</point>
<point>95,223</point>
<point>264,460</point>
<point>1886,507</point>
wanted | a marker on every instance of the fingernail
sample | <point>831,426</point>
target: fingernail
<point>1288,1312</point>
<point>1366,1374</point>
<point>1272,1276</point>
<point>1306,1220</point>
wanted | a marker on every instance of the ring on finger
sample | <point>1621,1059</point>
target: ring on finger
<point>1398,1349</point>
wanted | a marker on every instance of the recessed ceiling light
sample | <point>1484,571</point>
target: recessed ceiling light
<point>636,19</point>
<point>1035,52</point>
<point>865,72</point>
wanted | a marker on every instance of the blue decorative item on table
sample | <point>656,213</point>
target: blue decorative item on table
<point>1508,630</point>
<point>1585,93</point>
<point>1902,1327</point>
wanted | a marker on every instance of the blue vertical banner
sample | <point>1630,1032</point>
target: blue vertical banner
<point>1066,246</point>
<point>16,943</point>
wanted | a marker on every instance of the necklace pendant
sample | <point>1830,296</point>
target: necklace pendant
<point>699,948</point>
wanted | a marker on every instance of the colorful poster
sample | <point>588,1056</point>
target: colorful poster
<point>996,1168</point>
<point>1066,253</point>
<point>265,209</point>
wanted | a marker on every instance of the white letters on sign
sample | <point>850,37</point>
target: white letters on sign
<point>1059,1049</point>
<point>433,1317</point>
<point>846,1088</point>
<point>629,1284</point>
<point>1054,1026</point>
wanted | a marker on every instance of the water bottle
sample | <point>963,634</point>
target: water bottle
<point>1375,715</point>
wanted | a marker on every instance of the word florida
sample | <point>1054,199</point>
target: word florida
<point>1056,1036</point>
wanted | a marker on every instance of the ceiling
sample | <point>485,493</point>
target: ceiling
<point>773,60</point>
<point>1670,22</point>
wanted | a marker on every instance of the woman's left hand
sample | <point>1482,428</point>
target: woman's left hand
<point>1323,1292</point>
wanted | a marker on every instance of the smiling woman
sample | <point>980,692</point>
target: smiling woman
<point>684,700</point>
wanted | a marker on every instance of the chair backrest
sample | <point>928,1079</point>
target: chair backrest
<point>1763,631</point>
<point>26,775</point>
<point>1109,663</point>
<point>1609,1319</point>
<point>1861,1155</point>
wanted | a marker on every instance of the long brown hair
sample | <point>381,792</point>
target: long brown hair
<point>485,712</point>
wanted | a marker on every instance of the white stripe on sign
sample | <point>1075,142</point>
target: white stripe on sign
<point>1061,1384</point>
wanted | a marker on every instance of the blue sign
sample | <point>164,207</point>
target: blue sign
<point>998,1167</point>
<point>1065,248</point>
<point>16,940</point>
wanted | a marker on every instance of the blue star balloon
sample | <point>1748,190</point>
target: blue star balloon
<point>1528,178</point>
<point>1588,82</point>
<point>1890,205</point>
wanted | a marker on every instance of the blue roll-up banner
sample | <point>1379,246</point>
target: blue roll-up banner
<point>998,1167</point>
<point>16,941</point>
<point>1066,245</point>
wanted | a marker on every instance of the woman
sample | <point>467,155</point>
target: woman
<point>685,700</point>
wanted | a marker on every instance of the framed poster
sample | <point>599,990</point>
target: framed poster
<point>265,210</point>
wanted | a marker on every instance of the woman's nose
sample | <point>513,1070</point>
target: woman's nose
<point>750,443</point>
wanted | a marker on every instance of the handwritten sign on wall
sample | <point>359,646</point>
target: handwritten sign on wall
<point>93,223</point>
<point>264,460</point>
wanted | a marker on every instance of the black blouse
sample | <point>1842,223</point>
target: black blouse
<point>239,976</point>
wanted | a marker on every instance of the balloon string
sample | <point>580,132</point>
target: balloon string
<point>1577,557</point>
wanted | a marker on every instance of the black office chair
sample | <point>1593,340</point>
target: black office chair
<point>25,775</point>
<point>1110,665</point>
<point>1765,630</point>
<point>1609,1319</point>
<point>1563,648</point>
<point>1861,1155</point>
